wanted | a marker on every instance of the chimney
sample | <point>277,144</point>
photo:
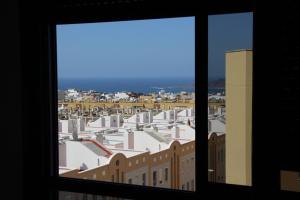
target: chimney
<point>130,140</point>
<point>102,121</point>
<point>59,126</point>
<point>119,119</point>
<point>177,133</point>
<point>100,138</point>
<point>150,116</point>
<point>209,125</point>
<point>155,128</point>
<point>74,129</point>
<point>81,124</point>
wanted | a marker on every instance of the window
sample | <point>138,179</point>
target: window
<point>144,179</point>
<point>193,185</point>
<point>230,98</point>
<point>154,178</point>
<point>160,176</point>
<point>166,174</point>
<point>188,185</point>
<point>130,181</point>
<point>105,73</point>
<point>173,159</point>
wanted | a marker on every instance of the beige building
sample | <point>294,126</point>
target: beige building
<point>216,157</point>
<point>159,154</point>
<point>238,117</point>
<point>173,167</point>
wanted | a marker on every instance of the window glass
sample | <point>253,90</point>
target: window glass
<point>230,98</point>
<point>126,101</point>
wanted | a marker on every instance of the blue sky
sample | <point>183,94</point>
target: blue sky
<point>147,48</point>
<point>141,48</point>
<point>227,32</point>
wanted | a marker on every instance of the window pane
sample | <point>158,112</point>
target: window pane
<point>126,101</point>
<point>230,98</point>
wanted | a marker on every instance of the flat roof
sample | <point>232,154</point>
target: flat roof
<point>237,50</point>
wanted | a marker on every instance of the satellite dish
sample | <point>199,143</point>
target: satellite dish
<point>83,167</point>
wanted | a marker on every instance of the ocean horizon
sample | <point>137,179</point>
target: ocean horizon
<point>141,85</point>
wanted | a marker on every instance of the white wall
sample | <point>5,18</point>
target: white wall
<point>112,121</point>
<point>65,126</point>
<point>142,141</point>
<point>77,154</point>
<point>62,154</point>
<point>100,122</point>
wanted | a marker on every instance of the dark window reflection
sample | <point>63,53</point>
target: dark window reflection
<point>62,195</point>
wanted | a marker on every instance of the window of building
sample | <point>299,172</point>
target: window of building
<point>230,88</point>
<point>192,185</point>
<point>223,111</point>
<point>106,74</point>
<point>166,174</point>
<point>130,181</point>
<point>160,176</point>
<point>154,178</point>
<point>144,179</point>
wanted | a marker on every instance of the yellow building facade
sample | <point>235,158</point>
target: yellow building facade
<point>238,117</point>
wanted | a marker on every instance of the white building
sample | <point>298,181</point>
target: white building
<point>149,156</point>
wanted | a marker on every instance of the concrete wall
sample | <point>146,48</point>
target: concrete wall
<point>87,157</point>
<point>142,141</point>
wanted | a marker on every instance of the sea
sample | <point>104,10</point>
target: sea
<point>138,85</point>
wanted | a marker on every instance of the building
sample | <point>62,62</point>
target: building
<point>216,157</point>
<point>161,156</point>
<point>238,117</point>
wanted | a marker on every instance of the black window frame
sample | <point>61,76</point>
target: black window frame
<point>69,12</point>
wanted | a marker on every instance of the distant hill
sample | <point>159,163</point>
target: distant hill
<point>218,83</point>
